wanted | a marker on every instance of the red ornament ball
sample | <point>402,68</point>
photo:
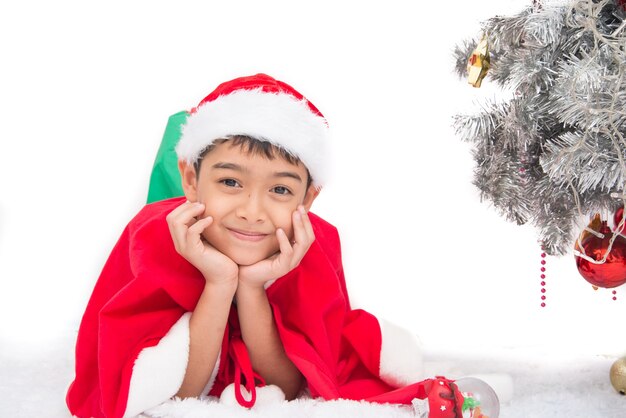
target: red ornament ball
<point>611,273</point>
<point>617,218</point>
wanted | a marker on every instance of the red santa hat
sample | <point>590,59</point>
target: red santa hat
<point>263,108</point>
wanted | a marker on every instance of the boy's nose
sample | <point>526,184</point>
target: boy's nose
<point>251,209</point>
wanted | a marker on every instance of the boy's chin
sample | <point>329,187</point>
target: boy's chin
<point>247,259</point>
<point>246,262</point>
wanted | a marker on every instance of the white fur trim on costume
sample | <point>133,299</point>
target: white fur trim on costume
<point>159,371</point>
<point>400,355</point>
<point>265,395</point>
<point>280,119</point>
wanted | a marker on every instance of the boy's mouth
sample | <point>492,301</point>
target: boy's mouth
<point>247,235</point>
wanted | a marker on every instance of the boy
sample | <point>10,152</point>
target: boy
<point>236,288</point>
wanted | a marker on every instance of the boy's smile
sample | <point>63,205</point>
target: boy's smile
<point>248,235</point>
<point>249,197</point>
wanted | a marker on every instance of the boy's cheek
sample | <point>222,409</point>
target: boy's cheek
<point>209,235</point>
<point>208,209</point>
<point>289,232</point>
<point>215,212</point>
<point>283,222</point>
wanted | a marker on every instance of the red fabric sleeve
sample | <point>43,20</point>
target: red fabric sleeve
<point>337,349</point>
<point>141,293</point>
<point>137,318</point>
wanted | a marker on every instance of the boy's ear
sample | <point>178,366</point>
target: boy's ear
<point>189,180</point>
<point>311,193</point>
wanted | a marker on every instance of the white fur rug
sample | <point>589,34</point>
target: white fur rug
<point>33,381</point>
<point>309,408</point>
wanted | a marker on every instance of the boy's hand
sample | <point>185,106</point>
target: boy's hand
<point>186,232</point>
<point>288,258</point>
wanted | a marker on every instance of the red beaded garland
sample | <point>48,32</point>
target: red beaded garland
<point>543,277</point>
<point>614,293</point>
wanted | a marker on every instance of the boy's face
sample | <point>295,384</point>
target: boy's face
<point>249,196</point>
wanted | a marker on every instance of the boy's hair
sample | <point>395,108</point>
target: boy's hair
<point>253,146</point>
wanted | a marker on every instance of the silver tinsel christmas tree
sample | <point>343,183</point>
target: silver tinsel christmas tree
<point>554,153</point>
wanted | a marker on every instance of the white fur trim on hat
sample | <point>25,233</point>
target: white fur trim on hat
<point>278,118</point>
<point>400,355</point>
<point>159,371</point>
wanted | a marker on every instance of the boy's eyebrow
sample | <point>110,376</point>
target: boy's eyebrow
<point>228,166</point>
<point>289,174</point>
<point>236,167</point>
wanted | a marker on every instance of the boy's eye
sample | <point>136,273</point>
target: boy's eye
<point>281,190</point>
<point>230,182</point>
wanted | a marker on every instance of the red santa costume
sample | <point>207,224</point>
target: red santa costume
<point>133,343</point>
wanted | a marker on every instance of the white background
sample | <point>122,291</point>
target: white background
<point>85,92</point>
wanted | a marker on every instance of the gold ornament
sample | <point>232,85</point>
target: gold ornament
<point>594,224</point>
<point>618,375</point>
<point>478,63</point>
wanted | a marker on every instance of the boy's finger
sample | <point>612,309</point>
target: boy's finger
<point>303,240</point>
<point>184,207</point>
<point>179,209</point>
<point>188,215</point>
<point>177,230</point>
<point>185,212</point>
<point>303,230</point>
<point>180,219</point>
<point>307,223</point>
<point>299,232</point>
<point>283,243</point>
<point>197,228</point>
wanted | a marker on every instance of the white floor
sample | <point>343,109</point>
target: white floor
<point>545,385</point>
<point>34,379</point>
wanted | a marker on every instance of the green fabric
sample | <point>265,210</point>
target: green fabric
<point>165,178</point>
